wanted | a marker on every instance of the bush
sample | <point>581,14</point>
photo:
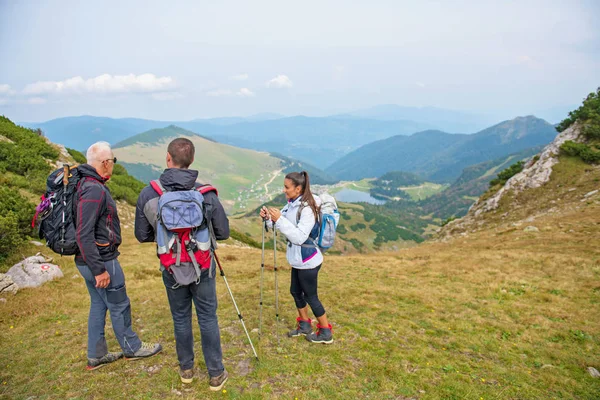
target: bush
<point>10,236</point>
<point>341,229</point>
<point>448,220</point>
<point>508,173</point>
<point>358,226</point>
<point>581,150</point>
<point>123,186</point>
<point>588,114</point>
<point>77,156</point>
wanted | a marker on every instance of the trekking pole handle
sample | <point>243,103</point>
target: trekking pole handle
<point>65,174</point>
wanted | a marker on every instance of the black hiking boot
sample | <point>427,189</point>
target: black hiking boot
<point>304,327</point>
<point>323,335</point>
<point>95,363</point>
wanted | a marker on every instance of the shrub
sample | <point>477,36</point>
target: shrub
<point>581,150</point>
<point>508,173</point>
<point>77,156</point>
<point>358,226</point>
<point>588,114</point>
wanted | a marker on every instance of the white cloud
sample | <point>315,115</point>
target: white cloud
<point>5,90</point>
<point>245,92</point>
<point>280,82</point>
<point>420,84</point>
<point>240,77</point>
<point>219,93</point>
<point>36,100</point>
<point>103,84</point>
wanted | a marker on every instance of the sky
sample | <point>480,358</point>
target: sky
<point>182,60</point>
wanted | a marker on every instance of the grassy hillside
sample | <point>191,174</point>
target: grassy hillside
<point>244,177</point>
<point>498,314</point>
<point>439,156</point>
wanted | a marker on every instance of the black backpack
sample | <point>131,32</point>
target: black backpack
<point>57,211</point>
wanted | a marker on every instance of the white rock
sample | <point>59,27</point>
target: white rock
<point>33,272</point>
<point>593,192</point>
<point>593,372</point>
<point>531,229</point>
<point>7,285</point>
<point>35,243</point>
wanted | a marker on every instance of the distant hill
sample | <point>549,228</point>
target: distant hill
<point>439,156</point>
<point>244,177</point>
<point>317,141</point>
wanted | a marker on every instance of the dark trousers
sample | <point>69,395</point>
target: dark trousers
<point>304,289</point>
<point>204,297</point>
<point>114,299</point>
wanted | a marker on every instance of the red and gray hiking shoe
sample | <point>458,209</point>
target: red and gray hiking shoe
<point>95,363</point>
<point>323,335</point>
<point>304,327</point>
<point>147,350</point>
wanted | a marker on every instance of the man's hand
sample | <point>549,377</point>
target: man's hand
<point>103,280</point>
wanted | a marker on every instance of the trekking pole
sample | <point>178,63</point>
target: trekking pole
<point>235,304</point>
<point>262,269</point>
<point>276,285</point>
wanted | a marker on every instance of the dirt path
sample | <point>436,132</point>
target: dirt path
<point>275,173</point>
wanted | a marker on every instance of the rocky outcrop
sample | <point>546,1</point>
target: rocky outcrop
<point>33,272</point>
<point>536,173</point>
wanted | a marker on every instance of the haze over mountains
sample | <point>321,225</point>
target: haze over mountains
<point>318,141</point>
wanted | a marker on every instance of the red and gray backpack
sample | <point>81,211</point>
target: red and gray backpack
<point>183,229</point>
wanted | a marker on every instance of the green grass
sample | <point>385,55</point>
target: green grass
<point>478,318</point>
<point>423,191</point>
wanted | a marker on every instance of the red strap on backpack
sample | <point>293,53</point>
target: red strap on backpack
<point>156,186</point>
<point>207,188</point>
<point>202,189</point>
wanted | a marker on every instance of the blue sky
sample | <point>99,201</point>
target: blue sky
<point>196,59</point>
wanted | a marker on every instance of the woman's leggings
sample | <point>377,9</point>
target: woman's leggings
<point>304,289</point>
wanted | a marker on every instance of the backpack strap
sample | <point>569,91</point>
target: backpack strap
<point>207,188</point>
<point>157,186</point>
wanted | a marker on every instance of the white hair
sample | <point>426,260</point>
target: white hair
<point>98,150</point>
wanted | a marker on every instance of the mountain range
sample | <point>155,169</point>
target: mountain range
<point>317,140</point>
<point>439,156</point>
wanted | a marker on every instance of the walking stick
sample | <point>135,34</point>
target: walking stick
<point>276,285</point>
<point>262,270</point>
<point>235,304</point>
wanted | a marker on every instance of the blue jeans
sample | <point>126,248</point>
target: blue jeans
<point>114,299</point>
<point>204,297</point>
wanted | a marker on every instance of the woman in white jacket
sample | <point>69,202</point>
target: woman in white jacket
<point>299,222</point>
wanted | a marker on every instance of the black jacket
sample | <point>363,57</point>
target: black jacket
<point>174,179</point>
<point>98,232</point>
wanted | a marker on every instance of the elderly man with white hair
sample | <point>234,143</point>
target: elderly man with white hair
<point>98,237</point>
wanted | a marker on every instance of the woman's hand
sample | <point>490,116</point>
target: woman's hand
<point>275,214</point>
<point>264,213</point>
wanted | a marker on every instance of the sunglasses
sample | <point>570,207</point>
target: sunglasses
<point>114,160</point>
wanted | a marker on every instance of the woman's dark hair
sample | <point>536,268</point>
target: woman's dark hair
<point>301,179</point>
